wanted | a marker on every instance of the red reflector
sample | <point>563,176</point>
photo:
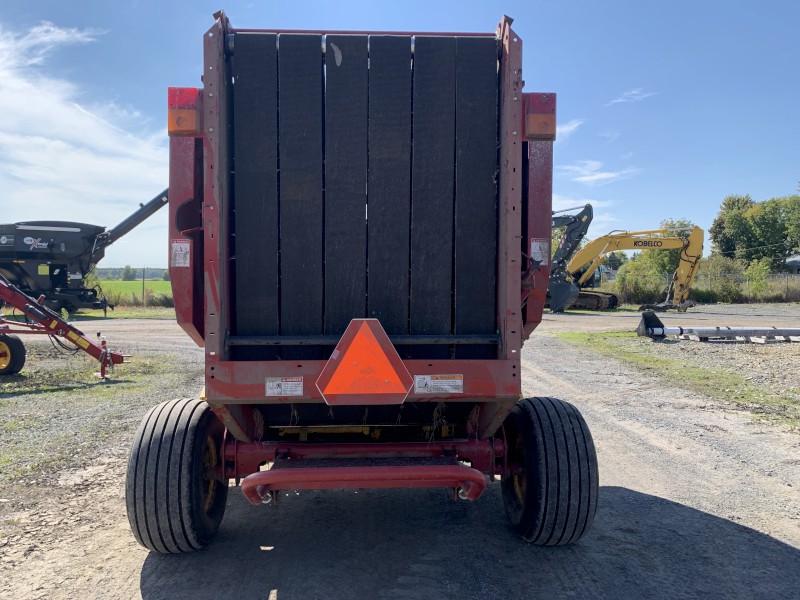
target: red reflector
<point>540,116</point>
<point>183,111</point>
<point>364,368</point>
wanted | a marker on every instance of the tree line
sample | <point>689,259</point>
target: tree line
<point>750,242</point>
<point>750,231</point>
<point>128,273</point>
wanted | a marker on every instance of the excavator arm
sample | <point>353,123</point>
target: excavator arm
<point>575,230</point>
<point>589,258</point>
<point>561,289</point>
<point>691,253</point>
<point>594,253</point>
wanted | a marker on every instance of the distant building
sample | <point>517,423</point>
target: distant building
<point>793,263</point>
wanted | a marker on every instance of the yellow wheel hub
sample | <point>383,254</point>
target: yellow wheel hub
<point>209,462</point>
<point>5,355</point>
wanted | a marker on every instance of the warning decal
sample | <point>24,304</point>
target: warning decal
<point>438,384</point>
<point>284,386</point>
<point>179,254</point>
<point>78,340</point>
<point>540,251</point>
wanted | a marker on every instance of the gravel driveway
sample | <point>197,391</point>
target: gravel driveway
<point>698,498</point>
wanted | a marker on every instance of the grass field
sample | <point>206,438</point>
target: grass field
<point>158,286</point>
<point>157,292</point>
<point>126,312</point>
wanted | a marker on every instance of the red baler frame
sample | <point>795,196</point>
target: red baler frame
<point>199,174</point>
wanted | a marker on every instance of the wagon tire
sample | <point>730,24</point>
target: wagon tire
<point>174,502</point>
<point>12,354</point>
<point>551,485</point>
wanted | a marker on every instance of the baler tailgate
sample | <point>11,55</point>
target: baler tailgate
<point>365,185</point>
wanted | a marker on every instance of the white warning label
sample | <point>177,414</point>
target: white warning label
<point>179,254</point>
<point>540,251</point>
<point>284,386</point>
<point>438,384</point>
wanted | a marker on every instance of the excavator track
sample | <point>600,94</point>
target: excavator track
<point>595,301</point>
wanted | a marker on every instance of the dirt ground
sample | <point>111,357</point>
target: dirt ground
<point>697,499</point>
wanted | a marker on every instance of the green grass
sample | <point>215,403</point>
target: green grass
<point>91,412</point>
<point>718,383</point>
<point>158,286</point>
<point>126,312</point>
<point>622,308</point>
<point>77,373</point>
<point>157,292</point>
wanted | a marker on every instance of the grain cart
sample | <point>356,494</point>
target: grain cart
<point>53,258</point>
<point>360,226</point>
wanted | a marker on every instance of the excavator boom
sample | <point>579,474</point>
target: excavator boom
<point>589,258</point>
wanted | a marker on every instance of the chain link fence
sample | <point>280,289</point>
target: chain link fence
<point>781,287</point>
<point>778,287</point>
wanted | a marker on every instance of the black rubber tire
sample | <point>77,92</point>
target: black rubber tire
<point>551,499</point>
<point>166,486</point>
<point>16,354</point>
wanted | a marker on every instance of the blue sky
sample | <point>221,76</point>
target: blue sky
<point>663,108</point>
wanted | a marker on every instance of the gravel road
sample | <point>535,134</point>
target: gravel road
<point>697,500</point>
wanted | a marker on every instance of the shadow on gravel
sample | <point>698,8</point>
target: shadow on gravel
<point>67,387</point>
<point>417,544</point>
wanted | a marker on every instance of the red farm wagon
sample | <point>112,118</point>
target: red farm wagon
<point>360,242</point>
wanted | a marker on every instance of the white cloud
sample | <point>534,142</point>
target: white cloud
<point>603,220</point>
<point>31,48</point>
<point>590,172</point>
<point>65,160</point>
<point>561,202</point>
<point>565,130</point>
<point>611,135</point>
<point>634,95</point>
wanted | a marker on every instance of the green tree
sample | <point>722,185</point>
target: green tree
<point>614,260</point>
<point>165,274</point>
<point>724,241</point>
<point>792,216</point>
<point>768,224</point>
<point>739,230</point>
<point>722,276</point>
<point>639,281</point>
<point>757,274</point>
<point>128,273</point>
<point>752,231</point>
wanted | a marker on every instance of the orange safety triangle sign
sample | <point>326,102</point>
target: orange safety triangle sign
<point>364,368</point>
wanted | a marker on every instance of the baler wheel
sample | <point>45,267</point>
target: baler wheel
<point>551,485</point>
<point>174,492</point>
<point>12,354</point>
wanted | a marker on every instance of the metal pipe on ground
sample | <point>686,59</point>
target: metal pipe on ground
<point>652,327</point>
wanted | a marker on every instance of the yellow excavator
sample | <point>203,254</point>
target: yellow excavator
<point>566,287</point>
